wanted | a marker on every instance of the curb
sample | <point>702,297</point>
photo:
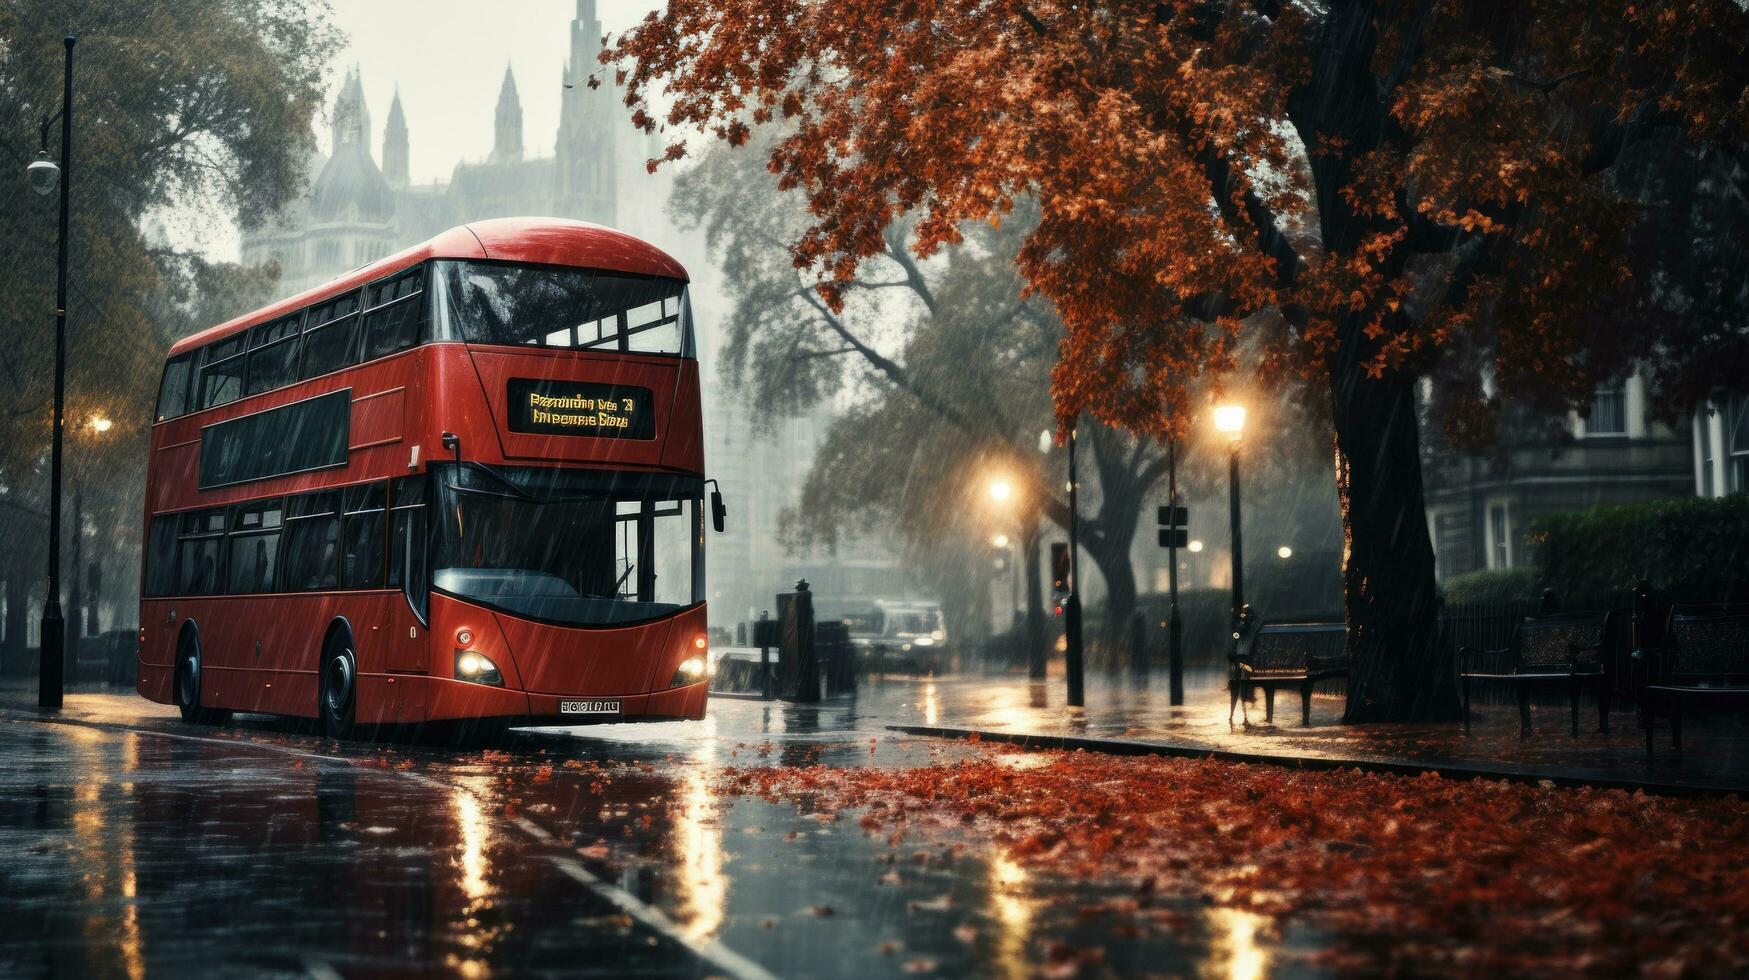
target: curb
<point>1531,775</point>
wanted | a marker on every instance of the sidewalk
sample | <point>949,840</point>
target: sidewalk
<point>1125,716</point>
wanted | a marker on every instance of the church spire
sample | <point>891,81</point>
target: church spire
<point>395,144</point>
<point>507,136</point>
<point>351,120</point>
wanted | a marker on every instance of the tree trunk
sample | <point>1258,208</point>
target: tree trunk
<point>1402,670</point>
<point>1111,553</point>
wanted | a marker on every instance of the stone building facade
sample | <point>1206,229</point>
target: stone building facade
<point>358,210</point>
<point>1480,507</point>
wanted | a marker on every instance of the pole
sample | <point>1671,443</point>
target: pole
<point>1072,608</point>
<point>1174,629</point>
<point>1014,583</point>
<point>1238,546</point>
<point>1035,622</point>
<point>76,623</point>
<point>54,646</point>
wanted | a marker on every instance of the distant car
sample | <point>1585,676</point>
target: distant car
<point>900,637</point>
<point>107,658</point>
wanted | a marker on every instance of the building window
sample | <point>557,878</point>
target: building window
<point>1737,443</point>
<point>1497,530</point>
<point>1609,412</point>
<point>1704,425</point>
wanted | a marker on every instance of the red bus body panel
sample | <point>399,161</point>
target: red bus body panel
<point>260,652</point>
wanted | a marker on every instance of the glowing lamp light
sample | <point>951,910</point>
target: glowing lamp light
<point>1195,547</point>
<point>100,424</point>
<point>1001,490</point>
<point>1230,419</point>
<point>464,636</point>
<point>999,540</point>
<point>1284,552</point>
<point>699,642</point>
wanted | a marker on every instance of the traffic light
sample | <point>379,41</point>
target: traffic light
<point>1059,567</point>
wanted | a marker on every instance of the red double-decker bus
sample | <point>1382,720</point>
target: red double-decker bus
<point>463,482</point>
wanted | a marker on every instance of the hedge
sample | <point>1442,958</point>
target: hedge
<point>1692,549</point>
<point>1494,586</point>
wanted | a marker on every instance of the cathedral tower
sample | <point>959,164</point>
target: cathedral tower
<point>395,145</point>
<point>351,121</point>
<point>507,133</point>
<point>589,128</point>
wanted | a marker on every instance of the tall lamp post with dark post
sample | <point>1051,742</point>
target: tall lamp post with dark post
<point>1072,608</point>
<point>1230,420</point>
<point>44,175</point>
<point>1003,498</point>
<point>95,426</point>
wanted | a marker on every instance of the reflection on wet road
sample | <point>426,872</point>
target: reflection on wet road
<point>128,854</point>
<point>132,845</point>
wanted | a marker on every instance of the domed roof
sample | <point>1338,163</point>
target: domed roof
<point>351,177</point>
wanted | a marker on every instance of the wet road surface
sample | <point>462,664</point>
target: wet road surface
<point>133,845</point>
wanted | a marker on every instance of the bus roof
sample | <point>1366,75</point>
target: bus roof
<point>541,241</point>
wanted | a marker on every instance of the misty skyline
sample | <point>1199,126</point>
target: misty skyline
<point>446,58</point>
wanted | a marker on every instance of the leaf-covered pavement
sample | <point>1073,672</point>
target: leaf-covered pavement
<point>1403,874</point>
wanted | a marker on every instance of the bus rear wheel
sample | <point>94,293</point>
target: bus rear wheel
<point>339,704</point>
<point>188,686</point>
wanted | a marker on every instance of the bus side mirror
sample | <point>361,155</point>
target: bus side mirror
<point>718,511</point>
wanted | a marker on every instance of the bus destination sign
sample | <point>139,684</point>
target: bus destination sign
<point>580,408</point>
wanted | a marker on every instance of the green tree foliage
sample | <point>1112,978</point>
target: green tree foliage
<point>950,365</point>
<point>201,107</point>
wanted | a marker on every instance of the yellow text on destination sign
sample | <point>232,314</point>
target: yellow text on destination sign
<point>581,411</point>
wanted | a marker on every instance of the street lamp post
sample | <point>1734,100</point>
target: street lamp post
<point>1230,419</point>
<point>1174,628</point>
<point>44,175</point>
<point>1072,607</point>
<point>95,426</point>
<point>1002,494</point>
<point>1011,557</point>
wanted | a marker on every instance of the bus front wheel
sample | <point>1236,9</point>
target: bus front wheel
<point>339,687</point>
<point>188,686</point>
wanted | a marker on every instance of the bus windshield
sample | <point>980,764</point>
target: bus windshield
<point>577,547</point>
<point>544,306</point>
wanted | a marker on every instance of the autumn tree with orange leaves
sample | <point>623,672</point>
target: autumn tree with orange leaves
<point>1381,191</point>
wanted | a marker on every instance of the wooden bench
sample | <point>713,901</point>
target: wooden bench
<point>1565,648</point>
<point>1289,655</point>
<point>1704,659</point>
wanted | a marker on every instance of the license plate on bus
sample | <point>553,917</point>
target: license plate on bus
<point>592,706</point>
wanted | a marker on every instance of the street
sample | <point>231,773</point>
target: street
<point>134,844</point>
<point>786,840</point>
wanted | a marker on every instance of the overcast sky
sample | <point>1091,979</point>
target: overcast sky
<point>447,57</point>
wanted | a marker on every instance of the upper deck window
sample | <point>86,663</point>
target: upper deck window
<point>541,306</point>
<point>273,354</point>
<point>221,372</point>
<point>331,339</point>
<point>173,392</point>
<point>394,313</point>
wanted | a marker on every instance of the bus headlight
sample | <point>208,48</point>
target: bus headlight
<point>477,669</point>
<point>692,670</point>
